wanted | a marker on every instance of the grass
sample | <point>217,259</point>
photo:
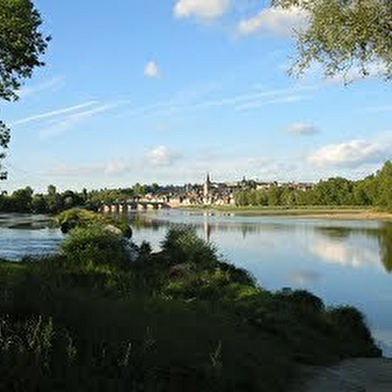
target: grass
<point>176,320</point>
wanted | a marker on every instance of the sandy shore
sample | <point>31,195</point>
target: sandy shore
<point>327,213</point>
<point>349,215</point>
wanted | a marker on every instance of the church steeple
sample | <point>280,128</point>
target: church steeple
<point>206,188</point>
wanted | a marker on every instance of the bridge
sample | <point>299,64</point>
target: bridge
<point>132,205</point>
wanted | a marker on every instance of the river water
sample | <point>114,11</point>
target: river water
<point>342,261</point>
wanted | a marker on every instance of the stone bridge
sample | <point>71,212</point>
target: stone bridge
<point>132,205</point>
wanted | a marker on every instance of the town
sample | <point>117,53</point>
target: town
<point>207,194</point>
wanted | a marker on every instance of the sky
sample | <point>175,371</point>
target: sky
<point>167,90</point>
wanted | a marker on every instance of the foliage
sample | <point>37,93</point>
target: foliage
<point>4,142</point>
<point>82,320</point>
<point>302,298</point>
<point>344,36</point>
<point>21,46</point>
<point>78,217</point>
<point>95,246</point>
<point>181,244</point>
<point>374,191</point>
<point>22,199</point>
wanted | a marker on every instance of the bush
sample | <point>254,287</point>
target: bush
<point>77,217</point>
<point>351,326</point>
<point>304,300</point>
<point>95,246</point>
<point>182,245</point>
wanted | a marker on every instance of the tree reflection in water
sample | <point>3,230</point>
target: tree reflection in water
<point>382,233</point>
<point>385,241</point>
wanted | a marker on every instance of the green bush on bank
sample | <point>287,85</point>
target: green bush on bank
<point>181,244</point>
<point>78,217</point>
<point>95,245</point>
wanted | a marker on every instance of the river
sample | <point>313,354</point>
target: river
<point>342,261</point>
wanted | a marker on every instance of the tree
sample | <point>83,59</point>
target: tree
<point>21,46</point>
<point>39,205</point>
<point>21,200</point>
<point>53,200</point>
<point>384,187</point>
<point>4,141</point>
<point>344,36</point>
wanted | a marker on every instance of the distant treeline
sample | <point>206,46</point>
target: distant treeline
<point>24,200</point>
<point>53,202</point>
<point>372,191</point>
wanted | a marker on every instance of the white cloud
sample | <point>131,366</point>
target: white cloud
<point>202,9</point>
<point>274,20</point>
<point>351,153</point>
<point>151,70</point>
<point>302,129</point>
<point>161,156</point>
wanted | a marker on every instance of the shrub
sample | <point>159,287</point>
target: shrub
<point>303,299</point>
<point>350,321</point>
<point>95,245</point>
<point>182,245</point>
<point>351,326</point>
<point>77,217</point>
<point>238,275</point>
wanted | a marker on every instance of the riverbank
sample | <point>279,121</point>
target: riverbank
<point>89,318</point>
<point>327,212</point>
<point>357,374</point>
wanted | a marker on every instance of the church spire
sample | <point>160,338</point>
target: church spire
<point>206,188</point>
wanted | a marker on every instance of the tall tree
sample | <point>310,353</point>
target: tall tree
<point>344,35</point>
<point>54,201</point>
<point>21,46</point>
<point>21,200</point>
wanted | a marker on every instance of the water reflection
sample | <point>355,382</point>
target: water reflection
<point>342,261</point>
<point>206,223</point>
<point>341,243</point>
<point>385,242</point>
<point>24,234</point>
<point>338,232</point>
<point>358,254</point>
<point>304,277</point>
<point>26,221</point>
<point>345,253</point>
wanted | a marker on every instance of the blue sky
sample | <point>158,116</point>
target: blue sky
<point>166,90</point>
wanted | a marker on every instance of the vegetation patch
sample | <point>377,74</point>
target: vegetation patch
<point>105,314</point>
